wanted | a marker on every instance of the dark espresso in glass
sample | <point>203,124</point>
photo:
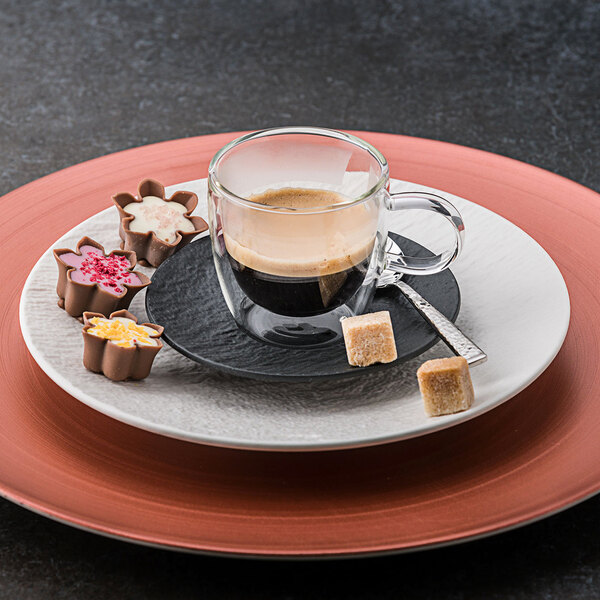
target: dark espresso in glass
<point>296,287</point>
<point>299,296</point>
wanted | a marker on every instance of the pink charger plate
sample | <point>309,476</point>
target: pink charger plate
<point>530,457</point>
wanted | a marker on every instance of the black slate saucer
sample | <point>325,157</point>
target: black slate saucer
<point>185,298</point>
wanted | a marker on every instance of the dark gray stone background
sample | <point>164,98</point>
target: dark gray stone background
<point>82,79</point>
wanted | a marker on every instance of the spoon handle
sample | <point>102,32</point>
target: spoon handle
<point>456,340</point>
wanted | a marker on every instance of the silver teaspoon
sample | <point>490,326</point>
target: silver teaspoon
<point>454,338</point>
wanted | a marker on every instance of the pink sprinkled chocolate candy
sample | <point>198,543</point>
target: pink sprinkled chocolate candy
<point>91,280</point>
<point>154,226</point>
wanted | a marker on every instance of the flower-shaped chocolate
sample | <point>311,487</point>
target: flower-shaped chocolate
<point>155,227</point>
<point>118,347</point>
<point>90,279</point>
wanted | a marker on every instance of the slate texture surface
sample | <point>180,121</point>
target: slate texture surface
<point>173,302</point>
<point>81,79</point>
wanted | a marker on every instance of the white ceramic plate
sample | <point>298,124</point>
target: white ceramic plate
<point>515,306</point>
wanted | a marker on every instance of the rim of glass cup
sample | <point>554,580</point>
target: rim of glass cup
<point>216,185</point>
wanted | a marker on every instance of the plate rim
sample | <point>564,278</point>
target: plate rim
<point>295,557</point>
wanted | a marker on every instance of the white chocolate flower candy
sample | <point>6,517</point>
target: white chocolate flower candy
<point>154,226</point>
<point>164,218</point>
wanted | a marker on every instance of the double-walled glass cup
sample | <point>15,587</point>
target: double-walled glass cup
<point>297,221</point>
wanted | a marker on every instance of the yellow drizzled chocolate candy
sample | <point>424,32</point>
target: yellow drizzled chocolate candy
<point>123,331</point>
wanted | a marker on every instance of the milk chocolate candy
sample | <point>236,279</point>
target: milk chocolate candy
<point>91,280</point>
<point>118,347</point>
<point>154,226</point>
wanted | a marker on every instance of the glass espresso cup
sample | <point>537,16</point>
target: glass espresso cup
<point>297,220</point>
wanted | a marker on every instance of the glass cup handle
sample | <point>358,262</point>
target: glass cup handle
<point>416,265</point>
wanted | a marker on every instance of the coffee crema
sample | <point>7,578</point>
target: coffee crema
<point>300,263</point>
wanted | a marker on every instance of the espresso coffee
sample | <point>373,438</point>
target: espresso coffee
<point>301,266</point>
<point>299,296</point>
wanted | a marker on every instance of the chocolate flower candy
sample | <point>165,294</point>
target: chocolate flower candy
<point>118,347</point>
<point>89,279</point>
<point>155,227</point>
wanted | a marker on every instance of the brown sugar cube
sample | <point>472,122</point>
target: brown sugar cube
<point>369,339</point>
<point>445,385</point>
